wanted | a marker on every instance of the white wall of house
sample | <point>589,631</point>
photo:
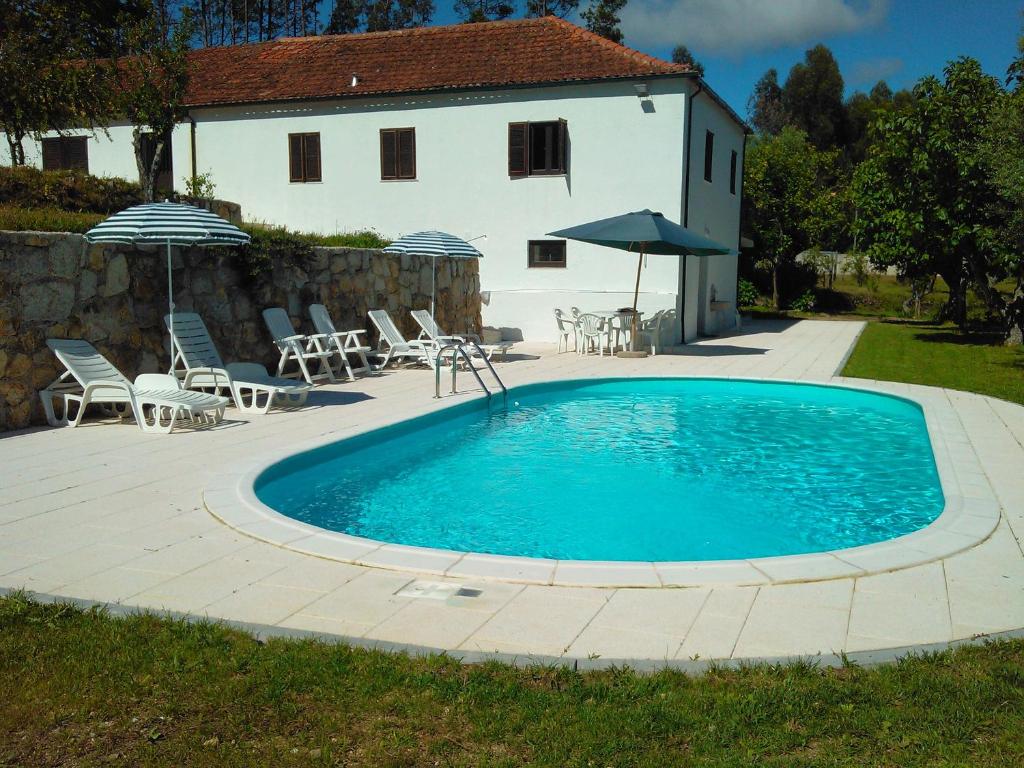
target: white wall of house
<point>626,153</point>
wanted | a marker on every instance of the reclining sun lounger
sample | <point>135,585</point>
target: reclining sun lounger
<point>432,331</point>
<point>394,346</point>
<point>155,399</point>
<point>345,343</point>
<point>252,389</point>
<point>298,347</point>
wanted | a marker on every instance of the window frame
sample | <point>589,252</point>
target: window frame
<point>709,156</point>
<point>398,133</point>
<point>62,153</point>
<point>305,177</point>
<point>520,158</point>
<point>733,166</point>
<point>531,264</point>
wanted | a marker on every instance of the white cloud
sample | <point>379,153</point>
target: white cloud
<point>732,27</point>
<point>870,71</point>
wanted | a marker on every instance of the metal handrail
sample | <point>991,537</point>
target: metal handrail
<point>460,348</point>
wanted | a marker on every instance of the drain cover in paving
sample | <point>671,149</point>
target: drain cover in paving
<point>436,590</point>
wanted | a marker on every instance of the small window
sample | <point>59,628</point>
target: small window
<point>66,153</point>
<point>538,149</point>
<point>732,173</point>
<point>709,153</point>
<point>304,157</point>
<point>398,153</point>
<point>546,253</point>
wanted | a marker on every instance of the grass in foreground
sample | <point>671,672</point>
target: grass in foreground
<point>940,356</point>
<point>82,688</point>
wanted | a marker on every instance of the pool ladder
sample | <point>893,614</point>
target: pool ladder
<point>465,348</point>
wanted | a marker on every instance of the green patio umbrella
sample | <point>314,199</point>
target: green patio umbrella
<point>643,232</point>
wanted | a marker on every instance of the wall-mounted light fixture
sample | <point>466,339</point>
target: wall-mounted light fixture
<point>642,91</point>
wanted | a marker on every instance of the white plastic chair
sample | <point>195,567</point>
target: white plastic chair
<point>298,347</point>
<point>595,331</point>
<point>649,331</point>
<point>344,343</point>
<point>252,388</point>
<point>566,327</point>
<point>155,400</point>
<point>432,331</point>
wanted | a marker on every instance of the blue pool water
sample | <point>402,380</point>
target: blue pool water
<point>649,469</point>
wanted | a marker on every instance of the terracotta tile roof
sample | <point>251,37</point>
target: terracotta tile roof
<point>489,54</point>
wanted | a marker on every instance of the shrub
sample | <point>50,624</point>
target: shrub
<point>277,246</point>
<point>18,219</point>
<point>746,293</point>
<point>27,187</point>
<point>201,185</point>
<point>804,303</point>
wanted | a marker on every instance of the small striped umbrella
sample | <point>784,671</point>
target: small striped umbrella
<point>434,244</point>
<point>170,223</point>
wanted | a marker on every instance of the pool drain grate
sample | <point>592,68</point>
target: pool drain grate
<point>436,590</point>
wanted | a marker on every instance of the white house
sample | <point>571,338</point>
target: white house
<point>507,130</point>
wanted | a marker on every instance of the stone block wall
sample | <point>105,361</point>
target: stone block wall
<point>57,285</point>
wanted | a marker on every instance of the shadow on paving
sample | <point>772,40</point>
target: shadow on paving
<point>323,398</point>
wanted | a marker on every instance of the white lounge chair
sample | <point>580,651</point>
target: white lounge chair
<point>566,327</point>
<point>344,343</point>
<point>298,347</point>
<point>432,331</point>
<point>155,399</point>
<point>394,346</point>
<point>252,389</point>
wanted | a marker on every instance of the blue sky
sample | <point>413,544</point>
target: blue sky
<point>895,40</point>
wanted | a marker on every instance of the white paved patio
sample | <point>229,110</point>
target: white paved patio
<point>106,513</point>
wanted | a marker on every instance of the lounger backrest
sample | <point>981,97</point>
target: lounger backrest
<point>321,319</point>
<point>386,326</point>
<point>427,323</point>
<point>84,362</point>
<point>192,341</point>
<point>278,323</point>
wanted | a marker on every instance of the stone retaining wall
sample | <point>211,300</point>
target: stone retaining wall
<point>56,285</point>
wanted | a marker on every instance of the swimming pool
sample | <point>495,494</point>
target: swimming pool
<point>629,470</point>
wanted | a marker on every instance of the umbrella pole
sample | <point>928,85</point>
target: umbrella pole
<point>433,288</point>
<point>170,305</point>
<point>636,296</point>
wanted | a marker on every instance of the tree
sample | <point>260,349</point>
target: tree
<point>602,18</point>
<point>471,11</point>
<point>861,111</point>
<point>378,15</point>
<point>813,98</point>
<point>925,198</point>
<point>560,8</point>
<point>787,204</point>
<point>681,55</point>
<point>764,107</point>
<point>152,81</point>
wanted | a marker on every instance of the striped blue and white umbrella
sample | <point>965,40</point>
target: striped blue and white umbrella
<point>434,244</point>
<point>170,224</point>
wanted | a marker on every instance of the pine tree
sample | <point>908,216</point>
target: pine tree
<point>681,55</point>
<point>484,10</point>
<point>602,18</point>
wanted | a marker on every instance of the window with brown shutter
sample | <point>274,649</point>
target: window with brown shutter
<point>397,153</point>
<point>304,157</point>
<point>709,154</point>
<point>538,149</point>
<point>66,153</point>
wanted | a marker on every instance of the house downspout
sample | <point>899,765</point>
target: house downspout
<point>686,200</point>
<point>739,234</point>
<point>192,140</point>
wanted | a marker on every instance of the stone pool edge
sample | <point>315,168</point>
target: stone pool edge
<point>965,522</point>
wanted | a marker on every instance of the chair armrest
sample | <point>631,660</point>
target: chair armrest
<point>451,338</point>
<point>106,384</point>
<point>353,333</point>
<point>317,336</point>
<point>296,337</point>
<point>193,373</point>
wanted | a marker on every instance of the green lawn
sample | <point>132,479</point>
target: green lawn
<point>82,688</point>
<point>941,356</point>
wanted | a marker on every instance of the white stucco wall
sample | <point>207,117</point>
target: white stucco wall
<point>624,155</point>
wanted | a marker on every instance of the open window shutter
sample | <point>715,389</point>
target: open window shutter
<point>518,149</point>
<point>407,154</point>
<point>295,157</point>
<point>311,153</point>
<point>51,154</point>
<point>389,154</point>
<point>563,146</point>
<point>76,153</point>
